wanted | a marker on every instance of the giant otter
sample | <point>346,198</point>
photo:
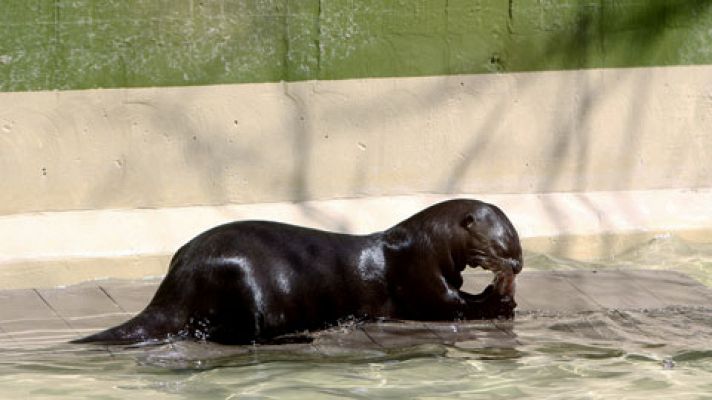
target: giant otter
<point>254,281</point>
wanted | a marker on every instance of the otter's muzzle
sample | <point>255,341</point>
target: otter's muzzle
<point>514,264</point>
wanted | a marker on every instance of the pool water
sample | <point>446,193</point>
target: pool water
<point>641,354</point>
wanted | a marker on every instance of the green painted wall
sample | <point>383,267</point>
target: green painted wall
<point>76,44</point>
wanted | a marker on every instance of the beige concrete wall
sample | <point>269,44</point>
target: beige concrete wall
<point>585,163</point>
<point>575,131</point>
<point>50,249</point>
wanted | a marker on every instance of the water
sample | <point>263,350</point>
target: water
<point>641,354</point>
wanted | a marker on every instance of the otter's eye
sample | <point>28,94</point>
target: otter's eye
<point>468,221</point>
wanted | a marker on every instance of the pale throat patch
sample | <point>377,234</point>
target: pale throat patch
<point>371,262</point>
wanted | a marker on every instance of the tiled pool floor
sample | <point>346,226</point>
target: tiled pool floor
<point>46,316</point>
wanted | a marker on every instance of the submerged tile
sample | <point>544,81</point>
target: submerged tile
<point>79,301</point>
<point>24,304</point>
<point>611,289</point>
<point>333,341</point>
<point>57,315</point>
<point>132,297</point>
<point>95,323</point>
<point>400,334</point>
<point>24,313</point>
<point>546,291</point>
<point>671,288</point>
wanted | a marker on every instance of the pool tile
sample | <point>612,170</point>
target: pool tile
<point>611,289</point>
<point>24,304</point>
<point>475,282</point>
<point>671,288</point>
<point>38,328</point>
<point>335,341</point>
<point>43,335</point>
<point>79,301</point>
<point>132,297</point>
<point>95,323</point>
<point>450,332</point>
<point>58,315</point>
<point>546,291</point>
<point>24,312</point>
<point>400,334</point>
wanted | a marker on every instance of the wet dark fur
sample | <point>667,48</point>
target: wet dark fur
<point>253,281</point>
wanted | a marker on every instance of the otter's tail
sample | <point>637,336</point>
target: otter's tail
<point>148,326</point>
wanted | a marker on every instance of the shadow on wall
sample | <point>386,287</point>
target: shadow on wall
<point>571,134</point>
<point>214,150</point>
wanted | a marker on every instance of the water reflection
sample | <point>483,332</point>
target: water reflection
<point>634,354</point>
<point>596,352</point>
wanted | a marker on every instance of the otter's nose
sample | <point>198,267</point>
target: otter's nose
<point>515,264</point>
<point>518,267</point>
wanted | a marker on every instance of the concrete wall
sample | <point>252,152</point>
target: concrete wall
<point>137,104</point>
<point>460,130</point>
<point>587,130</point>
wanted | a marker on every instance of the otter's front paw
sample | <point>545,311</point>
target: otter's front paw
<point>496,305</point>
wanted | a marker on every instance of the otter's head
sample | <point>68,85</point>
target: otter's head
<point>491,241</point>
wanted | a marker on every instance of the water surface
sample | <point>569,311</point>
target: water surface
<point>613,354</point>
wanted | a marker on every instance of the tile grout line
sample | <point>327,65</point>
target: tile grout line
<point>632,278</point>
<point>643,288</point>
<point>54,311</point>
<point>370,338</point>
<point>437,335</point>
<point>582,292</point>
<point>111,298</point>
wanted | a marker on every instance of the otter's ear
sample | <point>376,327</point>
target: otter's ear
<point>468,221</point>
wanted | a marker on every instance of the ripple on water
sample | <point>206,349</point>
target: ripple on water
<point>554,356</point>
<point>641,354</point>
